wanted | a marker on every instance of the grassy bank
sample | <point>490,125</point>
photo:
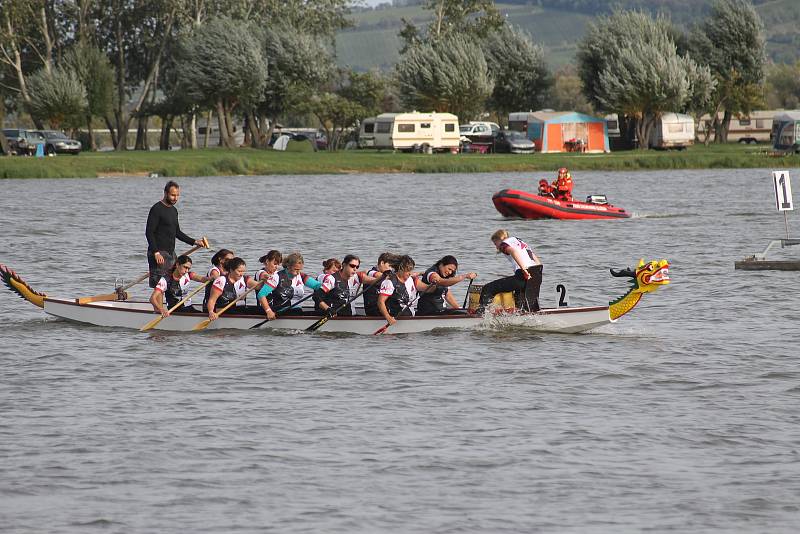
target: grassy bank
<point>219,162</point>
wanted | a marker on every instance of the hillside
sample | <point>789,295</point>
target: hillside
<point>373,42</point>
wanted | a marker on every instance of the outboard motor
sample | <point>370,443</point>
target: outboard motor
<point>596,199</point>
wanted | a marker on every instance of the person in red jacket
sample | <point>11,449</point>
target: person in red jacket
<point>545,189</point>
<point>562,186</point>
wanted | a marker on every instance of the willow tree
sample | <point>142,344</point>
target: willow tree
<point>58,97</point>
<point>221,64</point>
<point>517,65</point>
<point>630,65</point>
<point>96,74</point>
<point>448,75</point>
<point>731,42</point>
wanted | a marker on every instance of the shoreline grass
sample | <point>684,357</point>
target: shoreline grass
<point>244,161</point>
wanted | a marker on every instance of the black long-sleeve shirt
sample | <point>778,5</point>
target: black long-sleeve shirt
<point>163,228</point>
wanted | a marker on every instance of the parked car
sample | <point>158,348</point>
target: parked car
<point>22,142</point>
<point>479,129</point>
<point>58,143</point>
<point>513,142</point>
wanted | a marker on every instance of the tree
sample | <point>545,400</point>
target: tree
<point>296,67</point>
<point>57,96</point>
<point>630,65</point>
<point>519,70</point>
<point>222,63</point>
<point>448,75</point>
<point>731,43</point>
<point>96,74</point>
<point>475,18</point>
<point>335,114</point>
<point>135,35</point>
<point>567,92</point>
<point>783,86</point>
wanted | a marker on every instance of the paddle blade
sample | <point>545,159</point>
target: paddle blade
<point>381,330</point>
<point>201,325</point>
<point>318,324</point>
<point>151,324</point>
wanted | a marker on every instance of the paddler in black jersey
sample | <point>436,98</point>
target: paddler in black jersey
<point>398,292</point>
<point>228,288</point>
<point>162,230</point>
<point>439,278</point>
<point>387,262</point>
<point>171,287</point>
<point>341,287</point>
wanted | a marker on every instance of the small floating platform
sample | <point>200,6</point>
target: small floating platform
<point>759,262</point>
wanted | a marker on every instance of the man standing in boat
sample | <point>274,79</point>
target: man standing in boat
<point>162,230</point>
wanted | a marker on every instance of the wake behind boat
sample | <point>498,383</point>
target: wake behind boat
<point>647,277</point>
<point>516,203</point>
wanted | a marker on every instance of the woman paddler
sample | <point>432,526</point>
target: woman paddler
<point>172,286</point>
<point>439,279</point>
<point>291,287</point>
<point>216,270</point>
<point>329,267</point>
<point>269,275</point>
<point>398,292</point>
<point>342,286</point>
<point>226,289</point>
<point>527,277</point>
<point>386,264</point>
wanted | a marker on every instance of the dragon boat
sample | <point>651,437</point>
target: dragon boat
<point>516,203</point>
<point>646,278</point>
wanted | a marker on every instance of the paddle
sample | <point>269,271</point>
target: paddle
<point>204,323</point>
<point>325,319</point>
<point>278,312</point>
<point>120,293</point>
<point>157,320</point>
<point>382,329</point>
<point>467,295</point>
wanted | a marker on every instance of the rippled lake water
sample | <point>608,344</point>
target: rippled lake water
<point>681,417</point>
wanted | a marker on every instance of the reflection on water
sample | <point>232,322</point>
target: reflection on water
<point>681,416</point>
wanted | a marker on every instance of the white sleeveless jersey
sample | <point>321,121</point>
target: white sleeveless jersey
<point>517,244</point>
<point>240,286</point>
<point>183,282</point>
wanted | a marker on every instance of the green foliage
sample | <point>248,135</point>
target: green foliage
<point>476,18</point>
<point>95,72</point>
<point>222,61</point>
<point>448,75</point>
<point>296,66</point>
<point>366,89</point>
<point>58,97</point>
<point>783,83</point>
<point>567,93</point>
<point>518,68</point>
<point>335,113</point>
<point>629,64</point>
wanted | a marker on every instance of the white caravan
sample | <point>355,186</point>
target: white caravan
<point>366,133</point>
<point>673,130</point>
<point>417,132</point>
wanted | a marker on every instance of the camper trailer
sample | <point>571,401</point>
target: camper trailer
<point>755,127</point>
<point>561,131</point>
<point>366,133</point>
<point>673,130</point>
<point>786,131</point>
<point>417,132</point>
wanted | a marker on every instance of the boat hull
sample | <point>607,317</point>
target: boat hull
<point>135,314</point>
<point>515,203</point>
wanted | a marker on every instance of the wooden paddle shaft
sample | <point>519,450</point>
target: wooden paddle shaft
<point>145,275</point>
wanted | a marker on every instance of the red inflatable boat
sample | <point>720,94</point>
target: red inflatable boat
<point>515,203</point>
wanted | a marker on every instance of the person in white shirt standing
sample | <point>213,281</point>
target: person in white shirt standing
<point>526,280</point>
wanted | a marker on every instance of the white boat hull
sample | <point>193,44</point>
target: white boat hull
<point>136,314</point>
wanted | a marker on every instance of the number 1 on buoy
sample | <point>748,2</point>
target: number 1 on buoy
<point>783,190</point>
